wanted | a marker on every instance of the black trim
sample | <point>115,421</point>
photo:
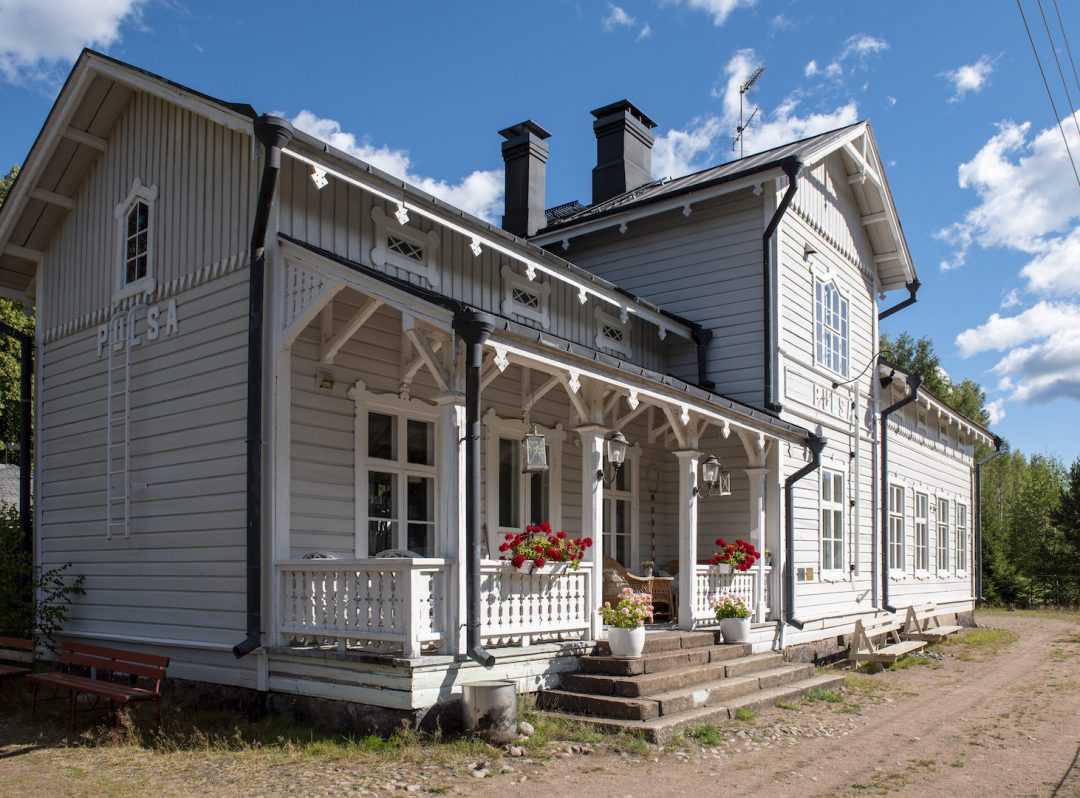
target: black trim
<point>791,166</point>
<point>817,446</point>
<point>913,381</point>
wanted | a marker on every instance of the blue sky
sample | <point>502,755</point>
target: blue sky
<point>985,192</point>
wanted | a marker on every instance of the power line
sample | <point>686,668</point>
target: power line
<point>1068,49</point>
<point>1061,73</point>
<point>1049,94</point>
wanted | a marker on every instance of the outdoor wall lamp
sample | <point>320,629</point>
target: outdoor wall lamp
<point>616,456</point>
<point>715,479</point>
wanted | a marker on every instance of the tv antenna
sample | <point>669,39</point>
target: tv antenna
<point>743,89</point>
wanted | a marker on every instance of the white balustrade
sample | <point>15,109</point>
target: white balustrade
<point>521,607</point>
<point>709,584</point>
<point>375,604</point>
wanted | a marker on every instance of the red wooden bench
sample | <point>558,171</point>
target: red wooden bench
<point>108,663</point>
<point>18,656</point>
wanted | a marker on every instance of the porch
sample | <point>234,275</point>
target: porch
<point>368,425</point>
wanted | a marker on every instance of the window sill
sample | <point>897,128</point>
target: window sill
<point>897,576</point>
<point>833,576</point>
<point>922,574</point>
<point>144,285</point>
<point>943,575</point>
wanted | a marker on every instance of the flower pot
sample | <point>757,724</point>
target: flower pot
<point>723,569</point>
<point>735,630</point>
<point>626,643</point>
<point>647,572</point>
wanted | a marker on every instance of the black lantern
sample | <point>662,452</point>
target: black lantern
<point>715,479</point>
<point>535,450</point>
<point>616,456</point>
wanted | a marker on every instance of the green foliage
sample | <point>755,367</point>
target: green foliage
<point>706,734</point>
<point>918,357</point>
<point>11,312</point>
<point>34,602</point>
<point>7,181</point>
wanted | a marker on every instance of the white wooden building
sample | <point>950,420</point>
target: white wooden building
<point>252,350</point>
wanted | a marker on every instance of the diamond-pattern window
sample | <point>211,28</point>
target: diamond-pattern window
<point>612,333</point>
<point>405,248</point>
<point>525,298</point>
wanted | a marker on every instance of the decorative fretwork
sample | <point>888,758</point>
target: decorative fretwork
<point>526,299</point>
<point>405,248</point>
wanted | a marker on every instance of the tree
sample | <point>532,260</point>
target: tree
<point>12,313</point>
<point>918,357</point>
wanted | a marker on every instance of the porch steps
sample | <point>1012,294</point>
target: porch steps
<point>677,686</point>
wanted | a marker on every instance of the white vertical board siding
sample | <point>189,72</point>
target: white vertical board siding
<point>180,573</point>
<point>205,178</point>
<point>339,219</point>
<point>706,268</point>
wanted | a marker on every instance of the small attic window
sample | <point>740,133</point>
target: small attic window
<point>613,334</point>
<point>399,248</point>
<point>524,298</point>
<point>135,242</point>
<point>406,248</point>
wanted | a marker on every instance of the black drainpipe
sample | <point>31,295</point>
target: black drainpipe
<point>817,446</point>
<point>702,337</point>
<point>998,451</point>
<point>26,443</point>
<point>913,288</point>
<point>791,166</point>
<point>273,133</point>
<point>913,381</point>
<point>474,328</point>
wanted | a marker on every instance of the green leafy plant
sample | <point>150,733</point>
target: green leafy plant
<point>34,601</point>
<point>728,605</point>
<point>632,610</point>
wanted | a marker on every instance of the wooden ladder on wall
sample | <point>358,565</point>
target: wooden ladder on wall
<point>118,425</point>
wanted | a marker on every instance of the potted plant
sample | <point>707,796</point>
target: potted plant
<point>538,546</point>
<point>737,556</point>
<point>768,556</point>
<point>626,623</point>
<point>734,616</point>
<point>647,568</point>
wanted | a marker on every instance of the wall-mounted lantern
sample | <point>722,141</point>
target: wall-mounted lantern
<point>616,456</point>
<point>715,479</point>
<point>535,450</point>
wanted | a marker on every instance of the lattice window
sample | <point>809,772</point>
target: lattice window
<point>407,248</point>
<point>404,247</point>
<point>612,333</point>
<point>525,298</point>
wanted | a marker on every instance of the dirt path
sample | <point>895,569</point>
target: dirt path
<point>1006,726</point>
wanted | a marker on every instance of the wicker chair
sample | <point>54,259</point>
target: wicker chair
<point>616,577</point>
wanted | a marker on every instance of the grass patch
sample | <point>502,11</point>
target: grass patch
<point>864,685</point>
<point>745,715</point>
<point>707,734</point>
<point>883,783</point>
<point>631,742</point>
<point>909,661</point>
<point>979,644</point>
<point>850,709</point>
<point>787,705</point>
<point>1051,613</point>
<point>956,763</point>
<point>825,696</point>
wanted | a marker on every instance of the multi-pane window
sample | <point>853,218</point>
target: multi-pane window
<point>400,483</point>
<point>943,534</point>
<point>896,528</point>
<point>613,333</point>
<point>832,521</point>
<point>922,532</point>
<point>618,506</point>
<point>527,299</point>
<point>830,328</point>
<point>961,537</point>
<point>136,242</point>
<point>405,248</point>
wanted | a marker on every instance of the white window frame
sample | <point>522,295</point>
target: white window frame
<point>494,429</point>
<point>924,522</point>
<point>146,284</point>
<point>404,409</point>
<point>899,516</point>
<point>603,343</point>
<point>383,256</point>
<point>943,524</point>
<point>832,506</point>
<point>633,457</point>
<point>512,280</point>
<point>821,353</point>
<point>962,538</point>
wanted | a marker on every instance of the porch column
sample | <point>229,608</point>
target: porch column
<point>592,514</point>
<point>451,510</point>
<point>688,534</point>
<point>757,477</point>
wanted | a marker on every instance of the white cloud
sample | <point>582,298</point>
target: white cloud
<point>644,33</point>
<point>996,409</point>
<point>706,139</point>
<point>1011,300</point>
<point>890,101</point>
<point>616,17</point>
<point>1005,332</point>
<point>1056,270</point>
<point>39,36</point>
<point>720,10</point>
<point>857,51</point>
<point>969,78</point>
<point>811,69</point>
<point>781,22</point>
<point>479,193</point>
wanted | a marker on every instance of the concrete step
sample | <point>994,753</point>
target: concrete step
<point>661,728</point>
<point>657,642</point>
<point>662,661</point>
<point>648,683</point>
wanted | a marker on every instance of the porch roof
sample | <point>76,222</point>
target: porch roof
<point>749,415</point>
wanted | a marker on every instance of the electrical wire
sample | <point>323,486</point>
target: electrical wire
<point>872,361</point>
<point>1061,72</point>
<point>1046,84</point>
<point>1068,49</point>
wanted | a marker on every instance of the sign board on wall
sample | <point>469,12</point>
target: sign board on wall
<point>824,398</point>
<point>138,325</point>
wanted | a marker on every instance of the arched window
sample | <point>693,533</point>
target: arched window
<point>830,327</point>
<point>136,234</point>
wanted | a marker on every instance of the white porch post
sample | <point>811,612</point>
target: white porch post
<point>757,478</point>
<point>688,535</point>
<point>592,514</point>
<point>451,510</point>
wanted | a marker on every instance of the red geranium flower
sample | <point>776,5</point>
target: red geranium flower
<point>518,561</point>
<point>539,562</point>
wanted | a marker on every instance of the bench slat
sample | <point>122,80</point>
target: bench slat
<point>17,642</point>
<point>7,671</point>
<point>112,665</point>
<point>83,684</point>
<point>117,654</point>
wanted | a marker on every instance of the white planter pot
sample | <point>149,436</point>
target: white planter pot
<point>735,630</point>
<point>626,643</point>
<point>724,569</point>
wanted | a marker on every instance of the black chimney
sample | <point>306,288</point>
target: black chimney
<point>525,154</point>
<point>623,150</point>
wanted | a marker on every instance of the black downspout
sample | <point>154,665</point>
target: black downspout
<point>998,451</point>
<point>26,441</point>
<point>791,166</point>
<point>913,288</point>
<point>474,328</point>
<point>913,381</point>
<point>702,337</point>
<point>817,446</point>
<point>273,133</point>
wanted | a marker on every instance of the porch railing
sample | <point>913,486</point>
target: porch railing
<point>519,608</point>
<point>374,604</point>
<point>710,583</point>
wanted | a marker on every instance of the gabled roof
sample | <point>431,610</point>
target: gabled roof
<point>865,174</point>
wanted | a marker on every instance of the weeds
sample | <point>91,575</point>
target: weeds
<point>909,661</point>
<point>707,734</point>
<point>745,715</point>
<point>826,696</point>
<point>980,644</point>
